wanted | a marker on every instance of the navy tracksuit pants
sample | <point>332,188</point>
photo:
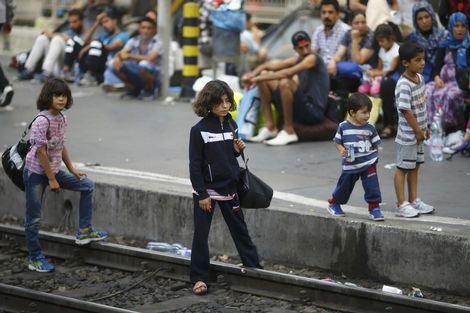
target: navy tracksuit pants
<point>370,182</point>
<point>200,249</point>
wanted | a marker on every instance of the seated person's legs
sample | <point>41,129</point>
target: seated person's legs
<point>54,55</point>
<point>129,73</point>
<point>38,51</point>
<point>93,64</point>
<point>287,92</point>
<point>150,74</point>
<point>111,81</point>
<point>266,91</point>
<point>72,51</point>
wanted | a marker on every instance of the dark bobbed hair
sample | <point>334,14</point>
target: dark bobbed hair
<point>330,2</point>
<point>384,31</point>
<point>53,87</point>
<point>358,101</point>
<point>409,50</point>
<point>355,13</point>
<point>211,96</point>
<point>76,12</point>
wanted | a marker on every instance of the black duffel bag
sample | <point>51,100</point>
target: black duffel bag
<point>253,192</point>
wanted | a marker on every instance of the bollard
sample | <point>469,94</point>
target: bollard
<point>190,48</point>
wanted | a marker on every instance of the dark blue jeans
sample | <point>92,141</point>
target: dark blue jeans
<point>238,230</point>
<point>131,69</point>
<point>370,182</point>
<point>35,184</point>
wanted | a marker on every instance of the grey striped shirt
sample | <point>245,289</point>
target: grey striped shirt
<point>410,96</point>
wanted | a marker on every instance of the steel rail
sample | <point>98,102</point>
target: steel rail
<point>259,282</point>
<point>16,299</point>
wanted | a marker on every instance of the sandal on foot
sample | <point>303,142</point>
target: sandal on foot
<point>386,133</point>
<point>200,288</point>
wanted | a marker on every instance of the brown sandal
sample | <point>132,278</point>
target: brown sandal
<point>200,288</point>
<point>386,133</point>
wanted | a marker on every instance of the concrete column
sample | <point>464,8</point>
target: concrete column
<point>164,30</point>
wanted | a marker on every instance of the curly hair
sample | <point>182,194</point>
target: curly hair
<point>53,87</point>
<point>211,96</point>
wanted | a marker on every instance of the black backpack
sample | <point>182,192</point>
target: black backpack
<point>13,159</point>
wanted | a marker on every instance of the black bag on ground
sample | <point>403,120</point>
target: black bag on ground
<point>253,193</point>
<point>13,159</point>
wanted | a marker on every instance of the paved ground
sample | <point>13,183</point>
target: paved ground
<point>153,137</point>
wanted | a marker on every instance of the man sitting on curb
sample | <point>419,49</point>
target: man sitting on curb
<point>298,86</point>
<point>137,64</point>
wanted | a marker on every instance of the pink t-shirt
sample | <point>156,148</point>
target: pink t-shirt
<point>50,133</point>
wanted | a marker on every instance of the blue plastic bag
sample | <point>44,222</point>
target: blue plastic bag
<point>230,20</point>
<point>348,69</point>
<point>247,116</point>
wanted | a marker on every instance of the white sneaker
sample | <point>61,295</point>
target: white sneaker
<point>88,80</point>
<point>263,134</point>
<point>407,210</point>
<point>453,148</point>
<point>282,139</point>
<point>422,207</point>
<point>6,96</point>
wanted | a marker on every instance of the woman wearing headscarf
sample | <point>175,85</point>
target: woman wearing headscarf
<point>427,34</point>
<point>452,58</point>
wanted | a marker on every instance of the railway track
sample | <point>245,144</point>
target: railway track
<point>262,283</point>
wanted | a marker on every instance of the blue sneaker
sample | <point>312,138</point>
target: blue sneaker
<point>376,215</point>
<point>129,94</point>
<point>41,264</point>
<point>335,209</point>
<point>91,235</point>
<point>146,95</point>
<point>25,75</point>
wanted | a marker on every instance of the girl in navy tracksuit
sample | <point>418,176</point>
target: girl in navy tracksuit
<point>214,173</point>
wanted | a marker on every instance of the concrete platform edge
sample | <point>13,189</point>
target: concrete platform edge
<point>394,251</point>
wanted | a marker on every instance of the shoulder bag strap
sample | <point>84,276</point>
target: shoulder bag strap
<point>230,123</point>
<point>26,131</point>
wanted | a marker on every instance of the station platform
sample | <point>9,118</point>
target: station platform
<point>143,192</point>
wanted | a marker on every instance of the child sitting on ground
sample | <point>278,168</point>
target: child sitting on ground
<point>356,140</point>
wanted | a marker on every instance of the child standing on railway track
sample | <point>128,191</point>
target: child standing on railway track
<point>357,141</point>
<point>214,172</point>
<point>42,169</point>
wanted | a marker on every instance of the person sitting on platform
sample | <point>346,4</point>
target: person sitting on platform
<point>137,64</point>
<point>298,86</point>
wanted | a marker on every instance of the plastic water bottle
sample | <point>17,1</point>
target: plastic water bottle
<point>436,141</point>
<point>162,247</point>
<point>184,252</point>
<point>169,248</point>
<point>350,156</point>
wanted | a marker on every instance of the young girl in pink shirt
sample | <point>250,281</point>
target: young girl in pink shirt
<point>42,169</point>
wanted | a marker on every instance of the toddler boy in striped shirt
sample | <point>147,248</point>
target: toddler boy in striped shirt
<point>357,140</point>
<point>410,95</point>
